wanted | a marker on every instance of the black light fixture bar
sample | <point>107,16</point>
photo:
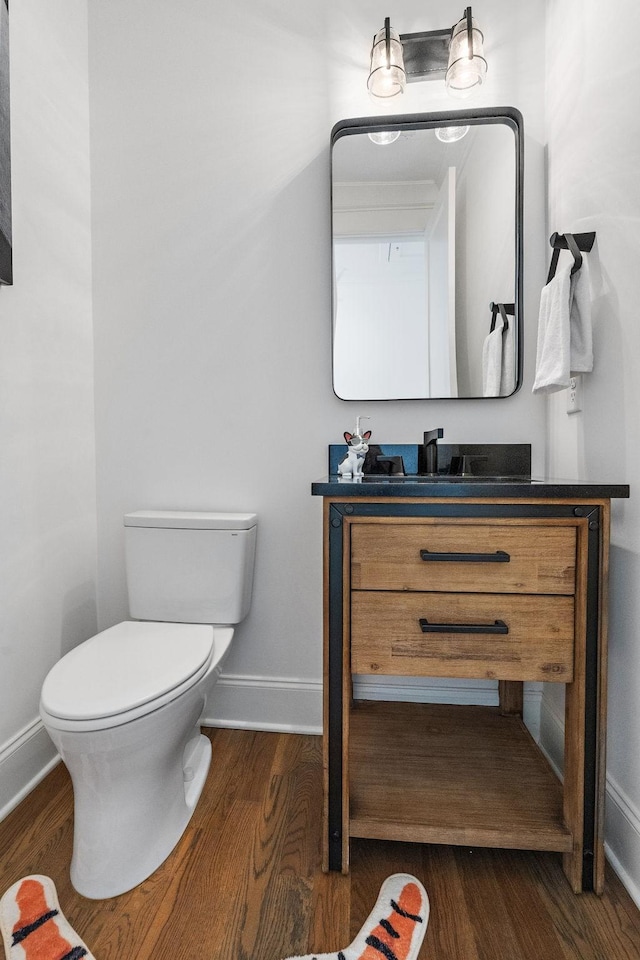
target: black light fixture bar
<point>426,55</point>
<point>467,14</point>
<point>387,40</point>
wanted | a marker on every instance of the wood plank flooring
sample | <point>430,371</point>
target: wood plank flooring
<point>245,881</point>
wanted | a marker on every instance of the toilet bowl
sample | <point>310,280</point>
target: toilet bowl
<point>123,707</point>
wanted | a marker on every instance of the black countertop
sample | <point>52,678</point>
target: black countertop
<point>509,487</point>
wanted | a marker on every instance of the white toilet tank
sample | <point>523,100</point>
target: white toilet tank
<point>188,567</point>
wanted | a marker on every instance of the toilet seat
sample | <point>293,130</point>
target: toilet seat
<point>128,670</point>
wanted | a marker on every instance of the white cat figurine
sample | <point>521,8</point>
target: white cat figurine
<point>353,463</point>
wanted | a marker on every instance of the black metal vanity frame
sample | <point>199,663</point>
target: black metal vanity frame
<point>353,508</point>
<point>482,115</point>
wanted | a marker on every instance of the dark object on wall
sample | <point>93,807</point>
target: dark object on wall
<point>505,310</point>
<point>6,264</point>
<point>575,242</point>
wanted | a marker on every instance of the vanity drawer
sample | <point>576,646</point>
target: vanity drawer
<point>535,641</point>
<point>482,558</point>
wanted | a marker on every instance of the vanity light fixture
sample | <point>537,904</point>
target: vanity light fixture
<point>455,55</point>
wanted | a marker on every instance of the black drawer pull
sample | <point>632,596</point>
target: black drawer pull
<point>498,626</point>
<point>498,557</point>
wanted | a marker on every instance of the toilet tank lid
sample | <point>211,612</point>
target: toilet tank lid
<point>190,520</point>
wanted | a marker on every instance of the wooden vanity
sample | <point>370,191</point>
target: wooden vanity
<point>491,580</point>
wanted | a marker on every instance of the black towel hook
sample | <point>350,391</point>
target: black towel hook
<point>504,309</point>
<point>575,242</point>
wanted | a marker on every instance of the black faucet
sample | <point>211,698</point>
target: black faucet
<point>429,450</point>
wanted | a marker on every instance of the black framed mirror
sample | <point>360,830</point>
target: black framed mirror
<point>427,255</point>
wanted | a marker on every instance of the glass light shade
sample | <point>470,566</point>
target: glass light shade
<point>384,136</point>
<point>387,78</point>
<point>451,134</point>
<point>467,65</point>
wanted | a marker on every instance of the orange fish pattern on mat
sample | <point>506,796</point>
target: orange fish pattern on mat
<point>392,937</point>
<point>36,929</point>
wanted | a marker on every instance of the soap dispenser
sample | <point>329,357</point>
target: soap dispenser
<point>351,466</point>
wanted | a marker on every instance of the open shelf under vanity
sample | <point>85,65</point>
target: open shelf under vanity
<point>445,773</point>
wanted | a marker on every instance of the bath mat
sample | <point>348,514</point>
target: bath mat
<point>395,928</point>
<point>34,927</point>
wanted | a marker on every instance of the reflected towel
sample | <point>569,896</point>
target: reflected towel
<point>492,360</point>
<point>508,375</point>
<point>564,330</point>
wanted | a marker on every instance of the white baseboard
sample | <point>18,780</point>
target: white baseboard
<point>24,761</point>
<point>622,838</point>
<point>552,736</point>
<point>622,817</point>
<point>280,704</point>
<point>424,690</point>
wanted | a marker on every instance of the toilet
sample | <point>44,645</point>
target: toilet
<point>123,707</point>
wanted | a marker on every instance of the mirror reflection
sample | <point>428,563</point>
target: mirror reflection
<point>426,258</point>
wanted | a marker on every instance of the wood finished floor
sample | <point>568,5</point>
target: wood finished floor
<point>245,881</point>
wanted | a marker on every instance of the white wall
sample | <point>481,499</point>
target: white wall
<point>593,74</point>
<point>211,265</point>
<point>47,465</point>
<point>210,176</point>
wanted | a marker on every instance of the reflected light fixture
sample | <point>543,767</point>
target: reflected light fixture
<point>384,136</point>
<point>455,55</point>
<point>451,134</point>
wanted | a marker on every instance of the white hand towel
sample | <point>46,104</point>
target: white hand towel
<point>492,361</point>
<point>580,322</point>
<point>565,336</point>
<point>553,365</point>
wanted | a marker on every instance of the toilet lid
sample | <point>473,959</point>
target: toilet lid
<point>124,667</point>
